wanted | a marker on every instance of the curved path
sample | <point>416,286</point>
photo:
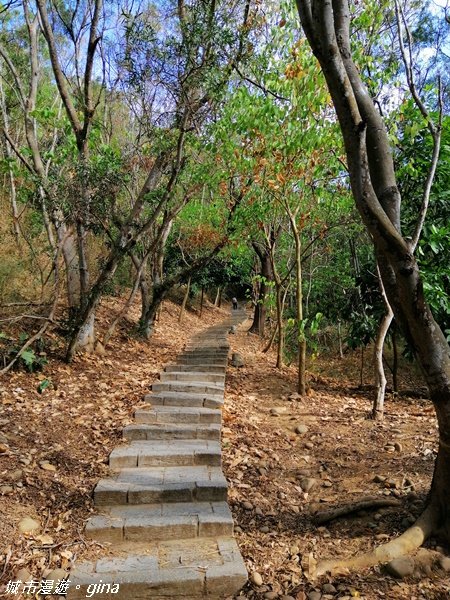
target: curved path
<point>164,508</point>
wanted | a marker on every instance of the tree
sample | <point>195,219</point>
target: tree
<point>377,197</point>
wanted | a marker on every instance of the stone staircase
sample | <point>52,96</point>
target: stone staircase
<point>164,508</point>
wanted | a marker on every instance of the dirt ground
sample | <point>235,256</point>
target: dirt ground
<point>54,446</point>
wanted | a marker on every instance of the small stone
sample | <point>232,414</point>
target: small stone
<point>444,563</point>
<point>264,529</point>
<point>56,576</point>
<point>5,490</point>
<point>329,588</point>
<point>29,525</point>
<point>247,505</point>
<point>398,447</point>
<point>23,575</point>
<point>327,483</point>
<point>237,360</point>
<point>314,595</point>
<point>400,567</point>
<point>16,475</point>
<point>309,445</point>
<point>237,529</point>
<point>389,448</point>
<point>379,479</point>
<point>300,429</point>
<point>256,578</point>
<point>271,595</point>
<point>307,483</point>
<point>4,448</point>
<point>276,412</point>
<point>287,598</point>
<point>44,464</point>
<point>24,461</point>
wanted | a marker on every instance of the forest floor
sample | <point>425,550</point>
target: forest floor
<point>54,446</point>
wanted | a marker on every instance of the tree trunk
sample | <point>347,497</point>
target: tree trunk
<point>202,297</point>
<point>394,359</point>
<point>259,317</point>
<point>217,301</point>
<point>380,377</point>
<point>185,299</point>
<point>280,347</point>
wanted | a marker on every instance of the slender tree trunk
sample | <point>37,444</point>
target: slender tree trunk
<point>201,300</point>
<point>341,353</point>
<point>280,327</point>
<point>185,299</point>
<point>259,317</point>
<point>218,297</point>
<point>395,359</point>
<point>301,339</point>
<point>380,377</point>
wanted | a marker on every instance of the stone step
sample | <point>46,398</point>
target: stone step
<point>205,351</point>
<point>196,376</point>
<point>153,522</point>
<point>194,387</point>
<point>157,453</point>
<point>174,569</point>
<point>182,399</point>
<point>211,368</point>
<point>177,431</point>
<point>147,485</point>
<point>177,414</point>
<point>201,360</point>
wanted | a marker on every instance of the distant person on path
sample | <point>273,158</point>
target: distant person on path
<point>235,304</point>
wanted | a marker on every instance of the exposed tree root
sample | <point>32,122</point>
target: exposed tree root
<point>367,503</point>
<point>409,541</point>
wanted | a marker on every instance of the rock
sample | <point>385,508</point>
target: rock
<point>287,598</point>
<point>23,575</point>
<point>16,475</point>
<point>232,329</point>
<point>444,563</point>
<point>264,529</point>
<point>300,429</point>
<point>379,479</point>
<point>327,483</point>
<point>309,445</point>
<point>276,412</point>
<point>237,360</point>
<point>237,529</point>
<point>307,483</point>
<point>294,396</point>
<point>400,567</point>
<point>314,596</point>
<point>256,578</point>
<point>329,588</point>
<point>5,490</point>
<point>4,448</point>
<point>29,525</point>
<point>398,447</point>
<point>247,505</point>
<point>44,464</point>
<point>271,595</point>
<point>259,512</point>
<point>56,576</point>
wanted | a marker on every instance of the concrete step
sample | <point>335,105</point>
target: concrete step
<point>153,522</point>
<point>201,360</point>
<point>176,414</point>
<point>177,431</point>
<point>147,485</point>
<point>210,368</point>
<point>182,399</point>
<point>195,376</point>
<point>157,453</point>
<point>188,387</point>
<point>181,569</point>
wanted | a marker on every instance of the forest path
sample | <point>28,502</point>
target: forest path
<point>163,510</point>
